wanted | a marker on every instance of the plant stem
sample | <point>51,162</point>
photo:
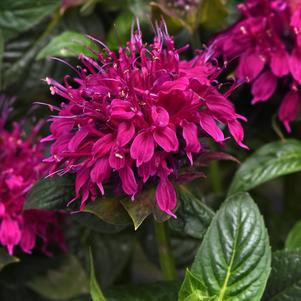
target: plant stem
<point>195,39</point>
<point>215,177</point>
<point>166,259</point>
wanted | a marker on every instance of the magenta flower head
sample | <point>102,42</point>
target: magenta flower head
<point>21,166</point>
<point>267,40</point>
<point>136,116</point>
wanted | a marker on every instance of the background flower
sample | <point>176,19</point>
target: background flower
<point>21,166</point>
<point>266,41</point>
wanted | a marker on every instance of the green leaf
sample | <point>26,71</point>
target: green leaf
<point>68,44</point>
<point>173,22</point>
<point>192,288</point>
<point>67,281</point>
<point>95,290</point>
<point>285,281</point>
<point>163,291</point>
<point>293,240</point>
<point>51,193</point>
<point>109,210</point>
<point>270,161</point>
<point>6,259</point>
<point>1,56</point>
<point>193,215</point>
<point>213,14</point>
<point>92,222</point>
<point>20,15</point>
<point>141,207</point>
<point>120,32</point>
<point>111,254</point>
<point>233,262</point>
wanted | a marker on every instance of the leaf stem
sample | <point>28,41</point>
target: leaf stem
<point>164,248</point>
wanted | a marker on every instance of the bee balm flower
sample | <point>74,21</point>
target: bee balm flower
<point>267,40</point>
<point>21,166</point>
<point>132,117</point>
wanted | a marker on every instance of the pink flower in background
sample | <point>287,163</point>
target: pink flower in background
<point>137,116</point>
<point>267,42</point>
<point>21,166</point>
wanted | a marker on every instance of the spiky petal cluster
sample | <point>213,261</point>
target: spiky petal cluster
<point>267,40</point>
<point>19,169</point>
<point>132,116</point>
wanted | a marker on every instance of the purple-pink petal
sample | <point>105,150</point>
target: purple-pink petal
<point>190,135</point>
<point>142,148</point>
<point>128,181</point>
<point>166,196</point>
<point>160,116</point>
<point>250,65</point>
<point>126,131</point>
<point>289,108</point>
<point>279,62</point>
<point>264,87</point>
<point>208,124</point>
<point>166,138</point>
<point>294,64</point>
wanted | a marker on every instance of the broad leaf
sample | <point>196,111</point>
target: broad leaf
<point>111,254</point>
<point>67,281</point>
<point>233,262</point>
<point>20,15</point>
<point>50,193</point>
<point>92,222</point>
<point>193,289</point>
<point>269,162</point>
<point>109,210</point>
<point>68,44</point>
<point>193,215</point>
<point>5,259</point>
<point>163,291</point>
<point>293,240</point>
<point>285,281</point>
<point>95,290</point>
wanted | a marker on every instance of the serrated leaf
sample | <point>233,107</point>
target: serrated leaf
<point>95,290</point>
<point>192,288</point>
<point>68,44</point>
<point>141,207</point>
<point>233,262</point>
<point>293,240</point>
<point>193,215</point>
<point>6,259</point>
<point>270,161</point>
<point>109,210</point>
<point>50,193</point>
<point>67,281</point>
<point>285,281</point>
<point>20,15</point>
<point>162,291</point>
<point>144,205</point>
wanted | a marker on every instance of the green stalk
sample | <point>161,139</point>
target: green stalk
<point>166,259</point>
<point>215,177</point>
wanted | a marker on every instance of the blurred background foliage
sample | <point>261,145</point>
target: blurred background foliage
<point>32,31</point>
